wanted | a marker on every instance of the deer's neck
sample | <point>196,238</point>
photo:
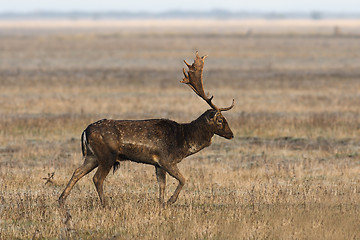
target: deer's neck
<point>197,135</point>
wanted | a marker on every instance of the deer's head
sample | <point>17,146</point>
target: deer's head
<point>218,124</point>
<point>194,79</point>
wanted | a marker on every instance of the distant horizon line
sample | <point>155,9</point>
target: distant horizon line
<point>171,14</point>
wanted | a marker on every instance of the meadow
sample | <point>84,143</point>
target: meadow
<point>292,170</point>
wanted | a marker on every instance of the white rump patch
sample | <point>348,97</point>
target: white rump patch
<point>86,143</point>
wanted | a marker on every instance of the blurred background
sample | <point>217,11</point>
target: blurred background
<point>347,7</point>
<point>125,44</point>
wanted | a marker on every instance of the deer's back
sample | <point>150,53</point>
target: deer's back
<point>138,140</point>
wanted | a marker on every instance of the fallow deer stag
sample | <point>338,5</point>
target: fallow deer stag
<point>159,142</point>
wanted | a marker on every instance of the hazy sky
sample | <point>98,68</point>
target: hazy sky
<point>163,5</point>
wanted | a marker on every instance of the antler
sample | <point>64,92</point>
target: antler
<point>194,79</point>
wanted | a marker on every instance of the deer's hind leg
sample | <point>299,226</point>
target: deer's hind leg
<point>107,156</point>
<point>89,164</point>
<point>99,178</point>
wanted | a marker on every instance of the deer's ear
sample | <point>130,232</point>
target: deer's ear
<point>213,115</point>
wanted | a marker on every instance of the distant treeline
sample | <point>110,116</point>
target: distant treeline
<point>215,14</point>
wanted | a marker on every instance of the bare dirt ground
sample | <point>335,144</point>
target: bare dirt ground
<point>292,170</point>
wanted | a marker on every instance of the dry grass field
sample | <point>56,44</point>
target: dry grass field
<point>291,172</point>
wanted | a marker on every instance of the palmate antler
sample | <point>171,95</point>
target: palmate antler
<point>194,79</point>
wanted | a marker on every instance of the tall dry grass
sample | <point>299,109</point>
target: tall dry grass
<point>292,171</point>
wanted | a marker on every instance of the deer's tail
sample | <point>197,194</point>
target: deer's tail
<point>85,146</point>
<point>83,143</point>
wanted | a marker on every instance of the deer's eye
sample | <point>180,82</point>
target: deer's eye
<point>219,121</point>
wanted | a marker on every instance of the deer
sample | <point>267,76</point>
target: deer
<point>162,143</point>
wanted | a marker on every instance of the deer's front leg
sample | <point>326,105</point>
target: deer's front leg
<point>161,178</point>
<point>174,172</point>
